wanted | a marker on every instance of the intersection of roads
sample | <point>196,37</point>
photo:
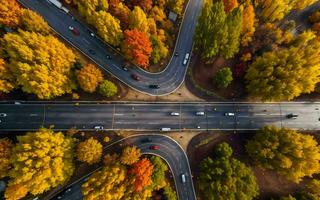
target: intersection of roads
<point>30,116</point>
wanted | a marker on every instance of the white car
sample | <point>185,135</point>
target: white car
<point>229,114</point>
<point>3,114</point>
<point>183,178</point>
<point>165,129</point>
<point>98,127</point>
<point>174,114</point>
<point>200,113</point>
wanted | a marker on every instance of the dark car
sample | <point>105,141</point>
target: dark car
<point>135,77</point>
<point>176,54</point>
<point>74,30</point>
<point>125,68</point>
<point>108,57</point>
<point>154,147</point>
<point>292,116</point>
<point>154,86</point>
<point>92,52</point>
<point>146,140</point>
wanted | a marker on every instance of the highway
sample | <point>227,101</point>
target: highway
<point>169,80</point>
<point>169,150</point>
<point>154,116</point>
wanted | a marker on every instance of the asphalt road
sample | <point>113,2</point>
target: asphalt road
<point>153,116</point>
<point>168,80</point>
<point>169,150</point>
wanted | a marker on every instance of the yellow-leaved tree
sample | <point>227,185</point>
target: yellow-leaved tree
<point>41,160</point>
<point>89,77</point>
<point>5,153</point>
<point>108,183</point>
<point>130,155</point>
<point>31,21</point>
<point>6,77</point>
<point>89,151</point>
<point>290,153</point>
<point>40,64</point>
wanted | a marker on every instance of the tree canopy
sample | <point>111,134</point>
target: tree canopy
<point>288,152</point>
<point>40,64</point>
<point>130,155</point>
<point>31,21</point>
<point>217,32</point>
<point>40,161</point>
<point>108,88</point>
<point>5,153</point>
<point>137,47</point>
<point>89,77</point>
<point>89,151</point>
<point>10,13</point>
<point>223,177</point>
<point>223,77</point>
<point>281,75</point>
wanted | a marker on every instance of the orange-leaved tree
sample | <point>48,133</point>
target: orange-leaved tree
<point>142,170</point>
<point>15,192</point>
<point>229,5</point>
<point>89,78</point>
<point>137,46</point>
<point>10,12</point>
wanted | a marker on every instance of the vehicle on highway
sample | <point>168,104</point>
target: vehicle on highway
<point>3,114</point>
<point>154,147</point>
<point>292,116</point>
<point>98,127</point>
<point>186,58</point>
<point>200,113</point>
<point>17,103</point>
<point>74,30</point>
<point>229,114</point>
<point>146,140</point>
<point>183,178</point>
<point>124,68</point>
<point>92,51</point>
<point>68,190</point>
<point>108,57</point>
<point>174,114</point>
<point>92,34</point>
<point>135,77</point>
<point>154,86</point>
<point>198,127</point>
<point>176,54</point>
<point>214,109</point>
<point>165,129</point>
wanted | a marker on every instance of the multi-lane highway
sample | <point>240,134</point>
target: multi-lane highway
<point>168,80</point>
<point>169,150</point>
<point>154,116</point>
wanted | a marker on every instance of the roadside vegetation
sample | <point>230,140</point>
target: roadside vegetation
<point>34,60</point>
<point>269,58</point>
<point>140,29</point>
<point>41,161</point>
<point>273,163</point>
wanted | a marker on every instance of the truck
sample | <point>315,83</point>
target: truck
<point>58,4</point>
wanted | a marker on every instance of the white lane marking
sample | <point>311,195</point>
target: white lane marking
<point>86,41</point>
<point>118,114</point>
<point>33,115</point>
<point>259,114</point>
<point>243,116</point>
<point>114,65</point>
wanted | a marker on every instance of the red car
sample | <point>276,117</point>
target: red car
<point>135,77</point>
<point>74,30</point>
<point>154,147</point>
